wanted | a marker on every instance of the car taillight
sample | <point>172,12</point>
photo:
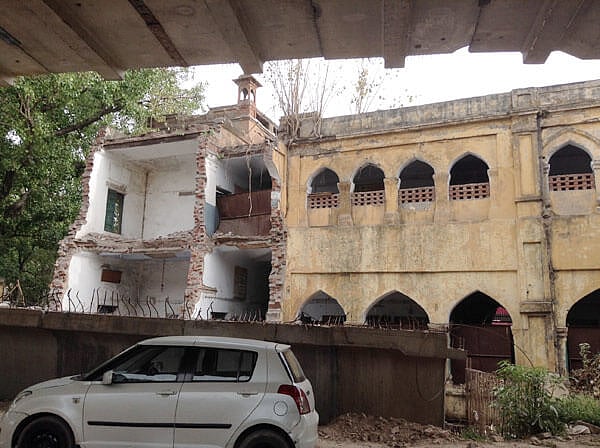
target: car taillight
<point>298,395</point>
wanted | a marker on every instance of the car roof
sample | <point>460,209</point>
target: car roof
<point>215,341</point>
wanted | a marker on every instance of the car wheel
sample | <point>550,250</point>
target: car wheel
<point>264,438</point>
<point>46,432</point>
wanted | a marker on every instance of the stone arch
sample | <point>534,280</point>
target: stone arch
<point>469,178</point>
<point>583,323</point>
<point>319,308</point>
<point>570,168</point>
<point>574,137</point>
<point>416,173</point>
<point>368,177</point>
<point>397,310</point>
<point>415,183</point>
<point>482,326</point>
<point>324,180</point>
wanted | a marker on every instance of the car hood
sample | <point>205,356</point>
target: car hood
<point>57,382</point>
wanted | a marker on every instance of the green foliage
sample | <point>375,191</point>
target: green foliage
<point>579,407</point>
<point>47,125</point>
<point>587,379</point>
<point>525,401</point>
<point>472,433</point>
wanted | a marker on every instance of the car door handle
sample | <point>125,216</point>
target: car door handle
<point>247,394</point>
<point>166,393</point>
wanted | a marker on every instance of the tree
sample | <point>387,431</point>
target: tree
<point>47,125</point>
<point>302,89</point>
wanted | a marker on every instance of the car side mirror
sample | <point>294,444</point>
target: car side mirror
<point>107,377</point>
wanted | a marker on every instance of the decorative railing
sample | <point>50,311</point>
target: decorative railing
<point>420,194</point>
<point>323,200</point>
<point>565,182</point>
<point>469,191</point>
<point>376,197</point>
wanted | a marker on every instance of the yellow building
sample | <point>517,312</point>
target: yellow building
<point>480,213</point>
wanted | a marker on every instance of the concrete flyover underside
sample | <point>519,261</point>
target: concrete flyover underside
<point>110,36</point>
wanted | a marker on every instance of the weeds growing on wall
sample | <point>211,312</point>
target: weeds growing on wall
<point>525,401</point>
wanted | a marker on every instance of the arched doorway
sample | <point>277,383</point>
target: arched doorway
<point>396,310</point>
<point>583,321</point>
<point>321,308</point>
<point>481,326</point>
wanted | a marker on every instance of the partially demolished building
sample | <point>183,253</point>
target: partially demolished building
<point>180,222</point>
<point>479,215</point>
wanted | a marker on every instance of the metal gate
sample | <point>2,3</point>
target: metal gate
<point>486,345</point>
<point>480,388</point>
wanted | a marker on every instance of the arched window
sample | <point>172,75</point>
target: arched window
<point>570,169</point>
<point>583,321</point>
<point>416,183</point>
<point>395,310</point>
<point>369,188</point>
<point>469,179</point>
<point>323,190</point>
<point>481,326</point>
<point>322,308</point>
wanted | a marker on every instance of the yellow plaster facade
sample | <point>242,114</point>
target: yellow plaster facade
<point>534,250</point>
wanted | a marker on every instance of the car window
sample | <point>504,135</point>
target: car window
<point>146,364</point>
<point>293,366</point>
<point>215,364</point>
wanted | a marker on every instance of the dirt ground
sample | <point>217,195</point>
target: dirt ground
<point>362,431</point>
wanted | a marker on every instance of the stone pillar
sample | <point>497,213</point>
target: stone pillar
<point>442,202</point>
<point>596,169</point>
<point>345,208</point>
<point>391,200</point>
<point>545,188</point>
<point>562,334</point>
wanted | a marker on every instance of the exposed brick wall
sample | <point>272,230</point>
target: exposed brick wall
<point>194,286</point>
<point>278,237</point>
<point>68,245</point>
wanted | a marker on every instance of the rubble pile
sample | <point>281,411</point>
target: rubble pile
<point>394,432</point>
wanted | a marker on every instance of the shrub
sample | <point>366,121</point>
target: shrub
<point>579,407</point>
<point>587,379</point>
<point>525,402</point>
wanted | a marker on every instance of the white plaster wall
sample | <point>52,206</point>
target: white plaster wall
<point>84,276</point>
<point>113,173</point>
<point>224,178</point>
<point>140,280</point>
<point>210,189</point>
<point>218,273</point>
<point>166,210</point>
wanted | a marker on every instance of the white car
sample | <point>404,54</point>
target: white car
<point>179,391</point>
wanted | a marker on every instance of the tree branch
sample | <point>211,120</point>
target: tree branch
<point>91,120</point>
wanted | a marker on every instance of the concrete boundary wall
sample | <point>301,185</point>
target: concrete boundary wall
<point>353,369</point>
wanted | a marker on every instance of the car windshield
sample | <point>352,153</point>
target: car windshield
<point>96,373</point>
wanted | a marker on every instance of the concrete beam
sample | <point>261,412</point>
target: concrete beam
<point>235,30</point>
<point>553,19</point>
<point>77,37</point>
<point>159,32</point>
<point>396,17</point>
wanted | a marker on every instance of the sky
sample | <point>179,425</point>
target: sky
<point>423,80</point>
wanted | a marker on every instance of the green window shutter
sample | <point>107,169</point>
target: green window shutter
<point>114,211</point>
